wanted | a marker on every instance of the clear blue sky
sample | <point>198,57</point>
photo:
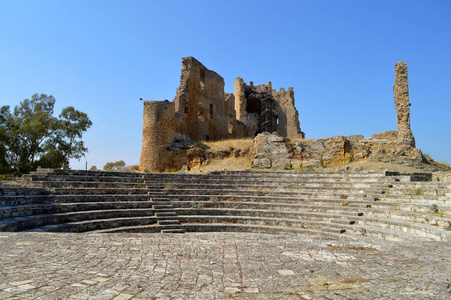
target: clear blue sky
<point>102,56</point>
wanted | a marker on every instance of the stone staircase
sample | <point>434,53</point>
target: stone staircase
<point>336,204</point>
<point>167,216</point>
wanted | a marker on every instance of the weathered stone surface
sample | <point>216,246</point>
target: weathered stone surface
<point>200,105</point>
<point>219,266</point>
<point>334,150</point>
<point>201,110</point>
<point>321,151</point>
<point>270,151</point>
<point>401,91</point>
<point>158,132</point>
<point>262,109</point>
<point>358,148</point>
<point>396,152</point>
<point>391,135</point>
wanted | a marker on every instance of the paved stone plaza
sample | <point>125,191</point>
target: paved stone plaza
<point>219,266</point>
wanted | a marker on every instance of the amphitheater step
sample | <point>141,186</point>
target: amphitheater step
<point>167,219</point>
<point>334,230</point>
<point>198,227</point>
<point>359,214</point>
<point>347,222</point>
<point>98,224</point>
<point>351,205</point>
<point>172,231</point>
<point>166,214</point>
<point>162,206</point>
<point>168,222</point>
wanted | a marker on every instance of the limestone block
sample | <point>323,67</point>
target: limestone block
<point>386,135</point>
<point>325,151</point>
<point>270,151</point>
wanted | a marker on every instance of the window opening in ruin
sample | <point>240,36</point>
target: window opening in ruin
<point>211,110</point>
<point>230,127</point>
<point>200,114</point>
<point>268,118</point>
<point>185,105</point>
<point>202,78</point>
<point>253,106</point>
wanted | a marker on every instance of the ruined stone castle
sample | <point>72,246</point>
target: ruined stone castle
<point>201,110</point>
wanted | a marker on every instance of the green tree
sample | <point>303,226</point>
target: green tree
<point>113,166</point>
<point>4,166</point>
<point>31,136</point>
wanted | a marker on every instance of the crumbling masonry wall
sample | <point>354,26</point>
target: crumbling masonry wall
<point>388,146</point>
<point>262,109</point>
<point>158,132</point>
<point>201,110</point>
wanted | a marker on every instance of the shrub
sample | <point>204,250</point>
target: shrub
<point>113,166</point>
<point>434,208</point>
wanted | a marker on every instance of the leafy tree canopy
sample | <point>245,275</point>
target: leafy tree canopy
<point>113,166</point>
<point>31,136</point>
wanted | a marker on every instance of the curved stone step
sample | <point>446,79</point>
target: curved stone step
<point>83,178</point>
<point>95,191</point>
<point>100,198</point>
<point>25,200</point>
<point>212,227</point>
<point>351,230</point>
<point>413,229</point>
<point>307,216</point>
<point>265,206</point>
<point>267,199</point>
<point>29,222</point>
<point>85,184</point>
<point>92,225</point>
<point>54,208</point>
<point>429,218</point>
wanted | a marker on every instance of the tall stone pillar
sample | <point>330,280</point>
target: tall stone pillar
<point>240,100</point>
<point>158,132</point>
<point>401,91</point>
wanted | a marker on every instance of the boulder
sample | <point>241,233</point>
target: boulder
<point>270,151</point>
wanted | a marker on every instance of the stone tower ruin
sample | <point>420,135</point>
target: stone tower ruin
<point>158,131</point>
<point>201,110</point>
<point>401,91</point>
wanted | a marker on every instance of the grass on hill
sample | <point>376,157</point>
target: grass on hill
<point>229,145</point>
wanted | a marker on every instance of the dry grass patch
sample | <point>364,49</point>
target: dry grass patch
<point>229,145</point>
<point>229,164</point>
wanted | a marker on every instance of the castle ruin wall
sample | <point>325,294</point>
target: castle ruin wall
<point>201,110</point>
<point>263,109</point>
<point>200,104</point>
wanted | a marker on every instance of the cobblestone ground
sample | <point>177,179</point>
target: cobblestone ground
<point>219,266</point>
